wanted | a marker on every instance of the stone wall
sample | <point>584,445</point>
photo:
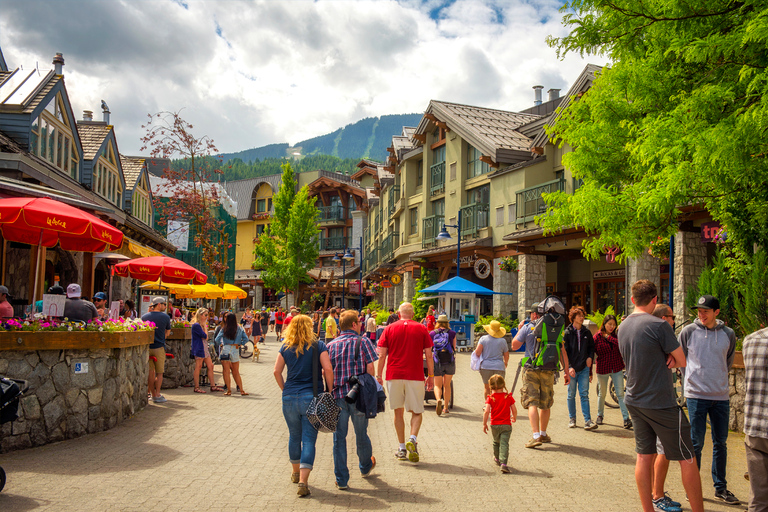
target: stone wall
<point>63,405</point>
<point>258,297</point>
<point>178,371</point>
<point>690,260</point>
<point>642,267</point>
<point>18,267</point>
<point>398,292</point>
<point>505,282</point>
<point>738,390</point>
<point>531,281</point>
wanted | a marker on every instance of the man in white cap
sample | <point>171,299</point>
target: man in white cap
<point>157,349</point>
<point>6,310</point>
<point>76,308</point>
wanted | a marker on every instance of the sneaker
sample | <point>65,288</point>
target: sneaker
<point>368,473</point>
<point>671,501</point>
<point>341,487</point>
<point>160,399</point>
<point>627,423</point>
<point>664,504</point>
<point>439,407</point>
<point>532,443</point>
<point>545,439</point>
<point>572,423</point>
<point>294,478</point>
<point>599,419</point>
<point>727,497</point>
<point>590,425</point>
<point>497,461</point>
<point>413,453</point>
<point>401,455</point>
<point>505,469</point>
<point>303,490</point>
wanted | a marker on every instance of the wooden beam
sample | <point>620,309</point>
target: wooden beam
<point>537,150</point>
<point>440,124</point>
<point>444,271</point>
<point>87,280</point>
<point>421,137</point>
<point>488,160</point>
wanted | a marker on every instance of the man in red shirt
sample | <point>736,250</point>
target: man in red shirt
<point>279,318</point>
<point>288,319</point>
<point>405,344</point>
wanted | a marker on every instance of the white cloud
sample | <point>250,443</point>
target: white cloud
<point>250,73</point>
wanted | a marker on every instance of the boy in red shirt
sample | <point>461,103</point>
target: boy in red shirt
<point>500,406</point>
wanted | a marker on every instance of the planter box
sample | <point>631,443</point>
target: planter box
<point>180,333</point>
<point>75,340</point>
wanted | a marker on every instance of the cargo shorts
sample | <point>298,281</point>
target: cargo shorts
<point>538,388</point>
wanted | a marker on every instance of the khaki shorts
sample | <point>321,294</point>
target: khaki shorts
<point>538,388</point>
<point>406,393</point>
<point>158,365</point>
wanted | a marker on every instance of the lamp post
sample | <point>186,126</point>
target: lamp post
<point>351,257</point>
<point>444,235</point>
<point>344,258</point>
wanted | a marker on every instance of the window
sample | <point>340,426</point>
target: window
<point>261,206</point>
<point>141,207</point>
<point>474,166</point>
<point>438,207</point>
<point>438,155</point>
<point>512,213</point>
<point>500,216</point>
<point>420,174</point>
<point>260,228</point>
<point>414,216</point>
<point>480,195</point>
<point>269,204</point>
<point>51,139</point>
<point>106,177</point>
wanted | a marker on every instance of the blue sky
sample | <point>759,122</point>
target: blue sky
<point>249,73</point>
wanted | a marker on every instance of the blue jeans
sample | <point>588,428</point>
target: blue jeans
<point>581,380</point>
<point>364,449</point>
<point>301,434</point>
<point>618,384</point>
<point>719,412</point>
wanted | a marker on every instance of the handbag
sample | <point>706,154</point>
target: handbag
<point>322,412</point>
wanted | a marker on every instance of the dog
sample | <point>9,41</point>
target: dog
<point>256,353</point>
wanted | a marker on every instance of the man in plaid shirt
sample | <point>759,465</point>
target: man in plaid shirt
<point>342,353</point>
<point>756,417</point>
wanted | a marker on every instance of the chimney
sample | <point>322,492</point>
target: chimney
<point>87,115</point>
<point>105,112</point>
<point>553,94</point>
<point>58,63</point>
<point>537,94</point>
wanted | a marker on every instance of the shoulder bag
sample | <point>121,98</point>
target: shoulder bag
<point>322,413</point>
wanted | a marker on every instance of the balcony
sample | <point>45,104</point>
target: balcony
<point>530,203</point>
<point>388,246</point>
<point>437,179</point>
<point>394,195</point>
<point>431,227</point>
<point>334,243</point>
<point>371,259</point>
<point>334,214</point>
<point>265,215</point>
<point>474,217</point>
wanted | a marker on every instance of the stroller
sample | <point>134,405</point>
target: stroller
<point>10,393</point>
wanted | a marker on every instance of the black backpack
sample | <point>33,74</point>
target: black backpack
<point>9,400</point>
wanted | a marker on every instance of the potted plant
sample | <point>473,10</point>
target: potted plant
<point>508,264</point>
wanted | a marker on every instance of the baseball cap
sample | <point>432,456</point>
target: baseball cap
<point>707,302</point>
<point>158,300</point>
<point>100,296</point>
<point>56,290</point>
<point>4,290</point>
<point>73,291</point>
<point>534,307</point>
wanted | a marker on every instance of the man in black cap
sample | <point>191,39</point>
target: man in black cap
<point>709,347</point>
<point>6,310</point>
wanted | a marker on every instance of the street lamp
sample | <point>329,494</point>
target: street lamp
<point>344,258</point>
<point>444,235</point>
<point>360,290</point>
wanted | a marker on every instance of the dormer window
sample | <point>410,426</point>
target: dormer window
<point>141,207</point>
<point>51,138</point>
<point>106,178</point>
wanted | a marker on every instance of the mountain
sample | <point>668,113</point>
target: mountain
<point>367,138</point>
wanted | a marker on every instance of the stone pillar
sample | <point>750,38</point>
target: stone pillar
<point>258,297</point>
<point>690,260</point>
<point>505,282</point>
<point>408,286</point>
<point>531,281</point>
<point>644,266</point>
<point>287,301</point>
<point>388,298</point>
<point>379,297</point>
<point>359,220</point>
<point>398,292</point>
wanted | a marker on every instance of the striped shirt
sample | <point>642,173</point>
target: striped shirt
<point>342,353</point>
<point>756,399</point>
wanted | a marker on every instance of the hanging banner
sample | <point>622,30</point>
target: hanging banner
<point>386,284</point>
<point>178,234</point>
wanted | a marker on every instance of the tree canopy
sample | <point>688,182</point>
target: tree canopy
<point>678,119</point>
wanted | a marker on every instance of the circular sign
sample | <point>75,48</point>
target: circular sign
<point>386,284</point>
<point>482,268</point>
<point>396,279</point>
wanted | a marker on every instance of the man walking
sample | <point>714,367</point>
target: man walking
<point>709,347</point>
<point>538,388</point>
<point>342,352</point>
<point>157,349</point>
<point>279,319</point>
<point>404,344</point>
<point>649,349</point>
<point>756,417</point>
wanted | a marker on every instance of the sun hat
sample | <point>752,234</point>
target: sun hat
<point>495,329</point>
<point>442,319</point>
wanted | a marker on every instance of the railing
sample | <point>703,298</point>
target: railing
<point>474,217</point>
<point>437,179</point>
<point>431,227</point>
<point>376,224</point>
<point>530,203</point>
<point>264,215</point>
<point>334,243</point>
<point>388,246</point>
<point>394,195</point>
<point>333,213</point>
<point>371,259</point>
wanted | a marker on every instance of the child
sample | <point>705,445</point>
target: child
<point>498,406</point>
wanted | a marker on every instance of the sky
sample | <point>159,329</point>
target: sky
<point>250,73</point>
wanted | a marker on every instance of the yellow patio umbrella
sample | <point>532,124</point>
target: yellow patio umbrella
<point>234,292</point>
<point>203,291</point>
<point>175,289</point>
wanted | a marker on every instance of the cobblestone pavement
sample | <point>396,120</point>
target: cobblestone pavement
<point>211,452</point>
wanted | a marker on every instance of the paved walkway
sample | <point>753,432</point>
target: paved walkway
<point>211,452</point>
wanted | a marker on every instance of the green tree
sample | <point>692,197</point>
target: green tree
<point>677,120</point>
<point>427,278</point>
<point>289,248</point>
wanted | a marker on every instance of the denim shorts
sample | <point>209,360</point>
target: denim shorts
<point>233,351</point>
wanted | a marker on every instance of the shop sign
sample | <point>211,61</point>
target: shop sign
<point>466,260</point>
<point>712,232</point>
<point>396,279</point>
<point>354,288</point>
<point>611,253</point>
<point>607,274</point>
<point>482,268</point>
<point>386,284</point>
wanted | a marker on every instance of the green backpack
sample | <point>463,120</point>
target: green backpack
<point>549,331</point>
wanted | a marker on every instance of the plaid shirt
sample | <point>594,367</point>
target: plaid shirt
<point>756,399</point>
<point>342,353</point>
<point>609,358</point>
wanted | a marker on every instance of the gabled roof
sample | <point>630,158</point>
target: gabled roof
<point>20,89</point>
<point>132,167</point>
<point>3,65</point>
<point>366,166</point>
<point>241,191</point>
<point>92,135</point>
<point>493,132</point>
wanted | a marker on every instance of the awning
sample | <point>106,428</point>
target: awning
<point>140,250</point>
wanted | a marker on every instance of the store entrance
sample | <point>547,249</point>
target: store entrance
<point>610,292</point>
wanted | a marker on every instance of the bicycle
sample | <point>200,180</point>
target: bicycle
<point>677,383</point>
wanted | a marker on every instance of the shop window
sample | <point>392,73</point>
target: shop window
<point>610,293</point>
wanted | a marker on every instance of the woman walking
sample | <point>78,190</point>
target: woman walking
<point>231,337</point>
<point>444,356</point>
<point>609,364</point>
<point>494,353</point>
<point>297,353</point>
<point>200,350</point>
<point>580,347</point>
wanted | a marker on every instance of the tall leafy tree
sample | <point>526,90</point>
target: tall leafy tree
<point>289,248</point>
<point>678,119</point>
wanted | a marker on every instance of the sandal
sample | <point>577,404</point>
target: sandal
<point>303,490</point>
<point>228,393</point>
<point>216,388</point>
<point>243,393</point>
<point>198,390</point>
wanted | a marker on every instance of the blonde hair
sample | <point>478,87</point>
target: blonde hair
<point>299,334</point>
<point>198,314</point>
<point>497,382</point>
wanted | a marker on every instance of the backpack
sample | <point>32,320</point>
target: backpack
<point>442,350</point>
<point>548,331</point>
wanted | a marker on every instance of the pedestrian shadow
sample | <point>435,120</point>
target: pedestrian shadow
<point>381,496</point>
<point>603,455</point>
<point>536,474</point>
<point>452,469</point>
<point>16,503</point>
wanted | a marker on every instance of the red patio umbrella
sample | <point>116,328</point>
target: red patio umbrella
<point>44,222</point>
<point>169,270</point>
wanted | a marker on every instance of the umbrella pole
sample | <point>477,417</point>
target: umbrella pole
<point>109,292</point>
<point>37,269</point>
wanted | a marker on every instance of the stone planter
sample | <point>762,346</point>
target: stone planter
<point>80,383</point>
<point>179,370</point>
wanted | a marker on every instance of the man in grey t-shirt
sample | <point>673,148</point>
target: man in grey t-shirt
<point>650,349</point>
